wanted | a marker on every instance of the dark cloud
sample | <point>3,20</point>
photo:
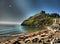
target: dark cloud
<point>9,13</point>
<point>18,10</point>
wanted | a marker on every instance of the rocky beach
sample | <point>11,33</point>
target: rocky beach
<point>39,37</point>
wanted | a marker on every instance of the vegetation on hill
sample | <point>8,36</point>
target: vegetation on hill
<point>41,19</point>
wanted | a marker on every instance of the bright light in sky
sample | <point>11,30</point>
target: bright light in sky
<point>10,5</point>
<point>10,23</point>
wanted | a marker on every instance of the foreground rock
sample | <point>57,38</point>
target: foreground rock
<point>39,37</point>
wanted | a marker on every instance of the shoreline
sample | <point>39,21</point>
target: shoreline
<point>22,33</point>
<point>44,34</point>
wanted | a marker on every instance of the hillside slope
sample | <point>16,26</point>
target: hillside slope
<point>41,19</point>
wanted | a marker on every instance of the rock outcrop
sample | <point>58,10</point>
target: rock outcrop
<point>41,19</point>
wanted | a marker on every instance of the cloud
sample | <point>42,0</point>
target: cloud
<point>18,10</point>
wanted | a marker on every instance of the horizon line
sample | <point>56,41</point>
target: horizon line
<point>9,23</point>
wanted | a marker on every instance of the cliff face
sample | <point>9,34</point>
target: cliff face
<point>41,19</point>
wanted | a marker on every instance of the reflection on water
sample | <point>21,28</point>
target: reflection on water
<point>15,29</point>
<point>29,29</point>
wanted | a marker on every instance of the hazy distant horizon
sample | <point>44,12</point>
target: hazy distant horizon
<point>9,23</point>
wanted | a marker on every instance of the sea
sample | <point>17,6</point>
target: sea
<point>7,30</point>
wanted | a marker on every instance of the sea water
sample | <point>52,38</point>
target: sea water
<point>11,30</point>
<point>6,30</point>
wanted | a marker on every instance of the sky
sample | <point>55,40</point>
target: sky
<point>19,10</point>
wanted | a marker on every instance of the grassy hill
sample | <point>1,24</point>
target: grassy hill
<point>40,19</point>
